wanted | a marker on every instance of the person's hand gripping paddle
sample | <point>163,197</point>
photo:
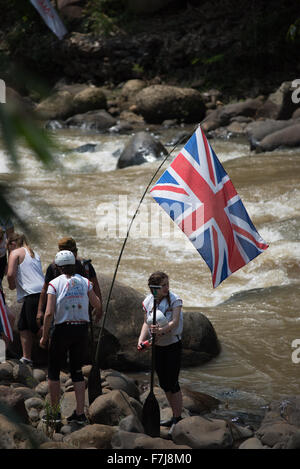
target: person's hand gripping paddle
<point>151,412</point>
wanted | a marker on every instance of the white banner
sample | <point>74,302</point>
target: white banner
<point>50,17</point>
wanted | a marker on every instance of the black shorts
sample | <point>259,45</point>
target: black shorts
<point>3,264</point>
<point>27,319</point>
<point>167,366</point>
<point>68,338</point>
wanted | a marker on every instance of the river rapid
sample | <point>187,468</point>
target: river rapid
<point>255,312</point>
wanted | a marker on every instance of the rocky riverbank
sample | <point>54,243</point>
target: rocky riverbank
<point>266,122</point>
<point>115,417</point>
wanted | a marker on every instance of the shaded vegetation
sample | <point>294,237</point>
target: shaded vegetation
<point>234,46</point>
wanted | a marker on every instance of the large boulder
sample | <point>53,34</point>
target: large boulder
<point>288,137</point>
<point>141,148</point>
<point>202,433</point>
<point>67,100</point>
<point>57,106</point>
<point>99,120</point>
<point>157,103</point>
<point>258,130</point>
<point>279,105</point>
<point>222,116</point>
<point>89,99</point>
<point>280,427</point>
<point>110,408</point>
<point>96,436</point>
<point>123,325</point>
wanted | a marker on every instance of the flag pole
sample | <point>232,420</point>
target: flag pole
<point>97,355</point>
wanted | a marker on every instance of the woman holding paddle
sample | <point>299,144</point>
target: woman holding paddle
<point>167,333</point>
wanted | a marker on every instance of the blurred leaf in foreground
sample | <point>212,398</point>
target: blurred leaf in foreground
<point>18,125</point>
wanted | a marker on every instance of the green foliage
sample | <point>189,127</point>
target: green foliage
<point>103,16</point>
<point>137,69</point>
<point>213,59</point>
<point>293,34</point>
<point>51,412</point>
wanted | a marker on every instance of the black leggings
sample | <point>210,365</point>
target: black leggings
<point>167,366</point>
<point>72,338</point>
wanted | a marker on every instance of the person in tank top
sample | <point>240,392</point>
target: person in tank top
<point>168,344</point>
<point>24,273</point>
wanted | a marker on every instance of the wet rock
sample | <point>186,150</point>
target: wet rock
<point>141,148</point>
<point>288,137</point>
<point>197,402</point>
<point>87,148</point>
<point>99,120</point>
<point>281,424</point>
<point>258,130</point>
<point>223,115</point>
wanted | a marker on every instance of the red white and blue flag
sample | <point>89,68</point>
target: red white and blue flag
<point>198,195</point>
<point>4,319</point>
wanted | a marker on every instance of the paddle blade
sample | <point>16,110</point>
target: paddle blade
<point>151,416</point>
<point>94,384</point>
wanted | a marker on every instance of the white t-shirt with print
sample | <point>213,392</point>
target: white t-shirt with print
<point>72,301</point>
<point>167,309</point>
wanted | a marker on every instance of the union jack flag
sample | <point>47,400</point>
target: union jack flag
<point>4,319</point>
<point>198,195</point>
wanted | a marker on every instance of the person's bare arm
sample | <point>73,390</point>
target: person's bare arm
<point>96,303</point>
<point>42,305</point>
<point>12,268</point>
<point>50,310</point>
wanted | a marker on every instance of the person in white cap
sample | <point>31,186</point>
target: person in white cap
<point>68,298</point>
